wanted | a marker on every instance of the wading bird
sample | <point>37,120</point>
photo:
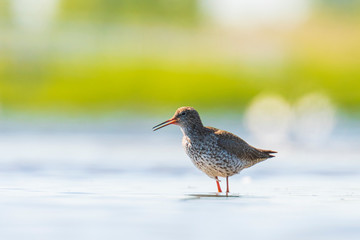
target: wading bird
<point>216,152</point>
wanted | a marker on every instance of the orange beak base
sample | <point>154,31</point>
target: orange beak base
<point>164,124</point>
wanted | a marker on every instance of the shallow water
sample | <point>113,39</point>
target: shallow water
<point>137,206</point>
<point>97,185</point>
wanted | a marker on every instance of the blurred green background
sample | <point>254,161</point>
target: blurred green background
<point>101,56</point>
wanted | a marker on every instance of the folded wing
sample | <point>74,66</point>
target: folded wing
<point>240,148</point>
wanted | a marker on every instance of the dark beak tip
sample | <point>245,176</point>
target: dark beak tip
<point>163,124</point>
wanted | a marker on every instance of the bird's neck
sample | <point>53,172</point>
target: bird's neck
<point>193,130</point>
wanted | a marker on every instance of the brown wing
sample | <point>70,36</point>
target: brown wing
<point>239,147</point>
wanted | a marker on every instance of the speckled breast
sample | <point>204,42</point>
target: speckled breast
<point>210,158</point>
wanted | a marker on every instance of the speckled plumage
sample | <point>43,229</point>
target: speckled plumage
<point>216,152</point>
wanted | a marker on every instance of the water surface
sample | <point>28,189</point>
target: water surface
<point>126,185</point>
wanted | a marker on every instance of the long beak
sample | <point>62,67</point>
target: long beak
<point>164,124</point>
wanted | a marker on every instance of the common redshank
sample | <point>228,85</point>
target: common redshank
<point>216,152</point>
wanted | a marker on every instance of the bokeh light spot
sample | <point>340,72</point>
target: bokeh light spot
<point>314,118</point>
<point>268,118</point>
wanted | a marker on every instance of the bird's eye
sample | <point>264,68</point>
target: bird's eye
<point>183,114</point>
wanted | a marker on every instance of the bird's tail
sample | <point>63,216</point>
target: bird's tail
<point>268,152</point>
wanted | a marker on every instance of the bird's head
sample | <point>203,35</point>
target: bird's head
<point>185,117</point>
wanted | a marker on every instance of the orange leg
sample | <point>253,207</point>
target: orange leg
<point>218,184</point>
<point>227,185</point>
